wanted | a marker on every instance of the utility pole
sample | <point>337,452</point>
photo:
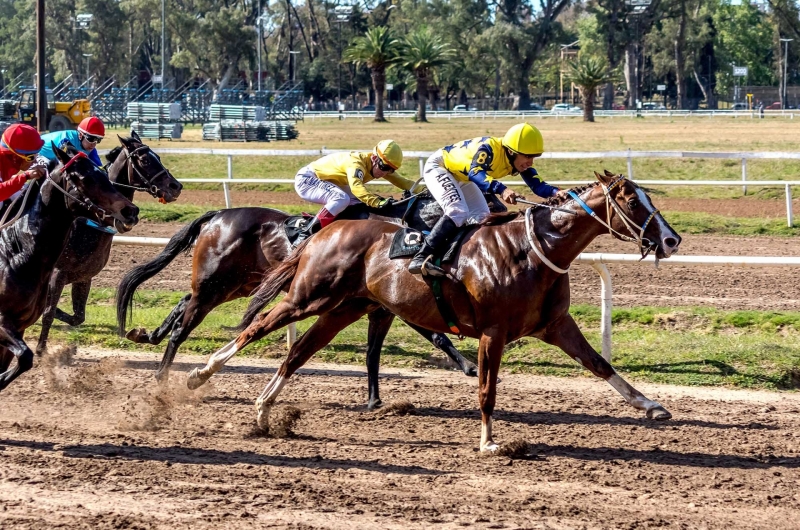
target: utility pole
<point>41,93</point>
<point>785,70</point>
<point>163,42</point>
<point>88,58</point>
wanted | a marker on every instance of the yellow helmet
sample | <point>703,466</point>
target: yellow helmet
<point>390,153</point>
<point>525,139</point>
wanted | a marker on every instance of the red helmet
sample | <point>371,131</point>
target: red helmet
<point>22,140</point>
<point>93,126</point>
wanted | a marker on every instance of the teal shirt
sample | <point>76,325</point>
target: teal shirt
<point>63,137</point>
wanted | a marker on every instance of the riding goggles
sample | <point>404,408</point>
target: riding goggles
<point>27,157</point>
<point>93,139</point>
<point>384,167</point>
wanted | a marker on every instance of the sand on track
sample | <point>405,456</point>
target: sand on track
<point>95,443</point>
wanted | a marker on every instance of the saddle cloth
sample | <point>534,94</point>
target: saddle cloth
<point>294,225</point>
<point>407,242</point>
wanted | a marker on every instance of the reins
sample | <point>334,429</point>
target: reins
<point>152,189</point>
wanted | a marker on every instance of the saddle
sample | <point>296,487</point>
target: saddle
<point>294,225</point>
<point>406,242</point>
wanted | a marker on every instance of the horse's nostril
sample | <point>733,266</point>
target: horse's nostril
<point>670,242</point>
<point>175,186</point>
<point>130,212</point>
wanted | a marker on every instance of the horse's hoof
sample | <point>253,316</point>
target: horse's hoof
<point>162,376</point>
<point>658,413</point>
<point>471,370</point>
<point>489,447</point>
<point>262,418</point>
<point>372,405</point>
<point>195,380</point>
<point>138,335</point>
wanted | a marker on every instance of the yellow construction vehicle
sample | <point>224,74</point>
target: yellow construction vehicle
<point>61,115</point>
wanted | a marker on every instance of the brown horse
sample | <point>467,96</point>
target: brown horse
<point>511,283</point>
<point>30,247</point>
<point>232,250</point>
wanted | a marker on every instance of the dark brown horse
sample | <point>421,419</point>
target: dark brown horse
<point>511,283</point>
<point>30,247</point>
<point>134,167</point>
<point>233,249</point>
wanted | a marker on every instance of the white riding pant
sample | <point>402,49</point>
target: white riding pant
<point>313,189</point>
<point>462,202</point>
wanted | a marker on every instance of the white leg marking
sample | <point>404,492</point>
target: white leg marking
<point>487,444</point>
<point>267,398</point>
<point>637,399</point>
<point>214,365</point>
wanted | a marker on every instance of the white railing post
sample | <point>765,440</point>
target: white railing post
<point>421,166</point>
<point>606,294</point>
<point>225,188</point>
<point>744,175</point>
<point>291,335</point>
<point>630,165</point>
<point>789,214</point>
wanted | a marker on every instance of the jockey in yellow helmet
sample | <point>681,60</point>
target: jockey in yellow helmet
<point>459,174</point>
<point>337,181</point>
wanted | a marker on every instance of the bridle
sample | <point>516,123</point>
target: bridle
<point>636,231</point>
<point>129,158</point>
<point>87,203</point>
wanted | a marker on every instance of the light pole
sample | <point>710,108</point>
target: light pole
<point>163,42</point>
<point>292,63</point>
<point>260,21</point>
<point>785,65</point>
<point>88,58</point>
<point>342,16</point>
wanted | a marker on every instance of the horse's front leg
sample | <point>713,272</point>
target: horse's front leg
<point>490,352</point>
<point>565,334</point>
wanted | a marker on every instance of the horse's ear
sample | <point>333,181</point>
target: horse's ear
<point>126,142</point>
<point>609,174</point>
<point>135,136</point>
<point>606,178</point>
<point>62,156</point>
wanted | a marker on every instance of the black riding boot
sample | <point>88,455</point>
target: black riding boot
<point>441,235</point>
<point>311,228</point>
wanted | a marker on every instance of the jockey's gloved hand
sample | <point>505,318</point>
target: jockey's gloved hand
<point>385,203</point>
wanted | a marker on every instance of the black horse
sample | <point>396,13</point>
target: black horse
<point>30,247</point>
<point>134,167</point>
<point>233,250</point>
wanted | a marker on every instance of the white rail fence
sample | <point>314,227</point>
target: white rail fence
<point>571,155</point>
<point>484,115</point>
<point>597,261</point>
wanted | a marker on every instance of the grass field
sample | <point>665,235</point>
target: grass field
<point>690,346</point>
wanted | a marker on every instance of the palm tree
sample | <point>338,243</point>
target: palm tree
<point>421,52</point>
<point>588,72</point>
<point>377,49</point>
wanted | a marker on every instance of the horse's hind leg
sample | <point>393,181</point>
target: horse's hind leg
<point>141,336</point>
<point>195,311</point>
<point>80,295</point>
<point>565,334</point>
<point>317,337</point>
<point>20,350</point>
<point>380,321</point>
<point>441,341</point>
<point>56,285</point>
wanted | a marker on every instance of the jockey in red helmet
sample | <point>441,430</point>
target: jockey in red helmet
<point>90,132</point>
<point>19,146</point>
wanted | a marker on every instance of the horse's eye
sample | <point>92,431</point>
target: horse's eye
<point>633,204</point>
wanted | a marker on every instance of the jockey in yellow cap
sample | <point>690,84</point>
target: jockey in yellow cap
<point>459,174</point>
<point>337,181</point>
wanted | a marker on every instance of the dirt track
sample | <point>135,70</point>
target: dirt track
<point>98,445</point>
<point>634,285</point>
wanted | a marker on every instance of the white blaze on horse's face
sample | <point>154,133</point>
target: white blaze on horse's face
<point>669,240</point>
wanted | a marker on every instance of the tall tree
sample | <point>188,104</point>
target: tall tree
<point>421,52</point>
<point>377,49</point>
<point>588,72</point>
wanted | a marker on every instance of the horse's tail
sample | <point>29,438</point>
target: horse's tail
<point>180,242</point>
<point>275,281</point>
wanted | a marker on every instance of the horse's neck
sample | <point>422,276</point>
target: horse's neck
<point>40,234</point>
<point>564,236</point>
<point>118,172</point>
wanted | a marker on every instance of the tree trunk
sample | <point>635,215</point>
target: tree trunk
<point>379,83</point>
<point>422,95</point>
<point>680,60</point>
<point>630,75</point>
<point>588,104</point>
<point>608,96</point>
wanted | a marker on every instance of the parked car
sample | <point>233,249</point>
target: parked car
<point>774,106</point>
<point>739,106</point>
<point>463,108</point>
<point>652,105</point>
<point>368,108</point>
<point>536,106</point>
<point>564,108</point>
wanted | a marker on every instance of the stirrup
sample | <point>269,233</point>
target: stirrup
<point>430,269</point>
